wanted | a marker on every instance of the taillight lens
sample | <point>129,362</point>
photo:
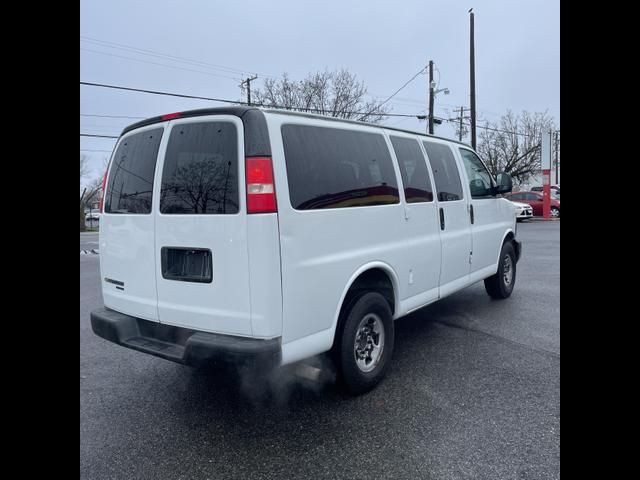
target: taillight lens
<point>171,116</point>
<point>104,183</point>
<point>261,189</point>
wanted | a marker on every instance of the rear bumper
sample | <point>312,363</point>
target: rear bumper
<point>183,345</point>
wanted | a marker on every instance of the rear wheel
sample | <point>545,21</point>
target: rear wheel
<point>555,212</point>
<point>501,284</point>
<point>364,347</point>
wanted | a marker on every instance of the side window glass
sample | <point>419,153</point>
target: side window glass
<point>445,171</point>
<point>480,181</point>
<point>413,168</point>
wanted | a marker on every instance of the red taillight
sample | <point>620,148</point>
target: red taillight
<point>261,189</point>
<point>104,182</point>
<point>170,116</point>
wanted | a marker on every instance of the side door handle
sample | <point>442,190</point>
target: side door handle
<point>471,213</point>
<point>441,219</point>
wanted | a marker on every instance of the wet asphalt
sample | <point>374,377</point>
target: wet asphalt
<point>473,392</point>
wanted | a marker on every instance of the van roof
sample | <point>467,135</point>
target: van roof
<point>239,111</point>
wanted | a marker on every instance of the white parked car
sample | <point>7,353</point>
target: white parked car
<point>269,237</point>
<point>523,210</point>
<point>95,216</point>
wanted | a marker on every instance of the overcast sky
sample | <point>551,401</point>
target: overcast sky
<point>384,43</point>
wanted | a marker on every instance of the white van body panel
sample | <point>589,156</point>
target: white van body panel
<point>492,218</point>
<point>285,275</point>
<point>456,236</point>
<point>127,255</point>
<point>321,248</point>
<point>423,244</point>
<point>265,289</point>
<point>222,306</point>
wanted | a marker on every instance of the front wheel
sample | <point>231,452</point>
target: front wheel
<point>555,212</point>
<point>366,343</point>
<point>501,284</point>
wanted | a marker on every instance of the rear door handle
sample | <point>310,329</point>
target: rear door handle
<point>471,213</point>
<point>441,219</point>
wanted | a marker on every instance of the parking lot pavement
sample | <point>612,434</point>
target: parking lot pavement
<point>88,241</point>
<point>472,392</point>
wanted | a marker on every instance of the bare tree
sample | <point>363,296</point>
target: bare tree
<point>84,167</point>
<point>512,144</point>
<point>91,191</point>
<point>335,94</point>
<point>201,186</point>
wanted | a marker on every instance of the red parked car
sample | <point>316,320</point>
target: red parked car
<point>535,200</point>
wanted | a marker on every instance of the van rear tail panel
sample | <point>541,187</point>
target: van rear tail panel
<point>177,240</point>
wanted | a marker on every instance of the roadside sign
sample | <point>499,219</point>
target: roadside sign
<point>545,163</point>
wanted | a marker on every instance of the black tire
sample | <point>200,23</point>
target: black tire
<point>497,285</point>
<point>350,375</point>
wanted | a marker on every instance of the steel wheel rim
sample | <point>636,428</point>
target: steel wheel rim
<point>369,342</point>
<point>507,270</point>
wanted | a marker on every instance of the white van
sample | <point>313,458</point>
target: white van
<point>270,236</point>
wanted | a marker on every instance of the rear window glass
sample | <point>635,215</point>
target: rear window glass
<point>335,168</point>
<point>130,187</point>
<point>445,171</point>
<point>200,173</point>
<point>413,168</point>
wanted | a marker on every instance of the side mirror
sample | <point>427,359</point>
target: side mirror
<point>505,183</point>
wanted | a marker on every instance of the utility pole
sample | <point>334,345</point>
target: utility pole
<point>459,119</point>
<point>556,149</point>
<point>248,82</point>
<point>431,95</point>
<point>472,80</point>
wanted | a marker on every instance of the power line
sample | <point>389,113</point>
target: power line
<point>396,92</point>
<point>490,128</point>
<point>223,100</point>
<point>160,64</point>
<point>155,92</point>
<point>176,58</point>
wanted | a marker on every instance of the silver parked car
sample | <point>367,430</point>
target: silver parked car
<point>523,210</point>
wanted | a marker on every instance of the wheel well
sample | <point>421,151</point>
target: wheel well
<point>373,280</point>
<point>510,236</point>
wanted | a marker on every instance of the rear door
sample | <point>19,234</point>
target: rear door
<point>422,228</point>
<point>453,216</point>
<point>202,268</point>
<point>127,255</point>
